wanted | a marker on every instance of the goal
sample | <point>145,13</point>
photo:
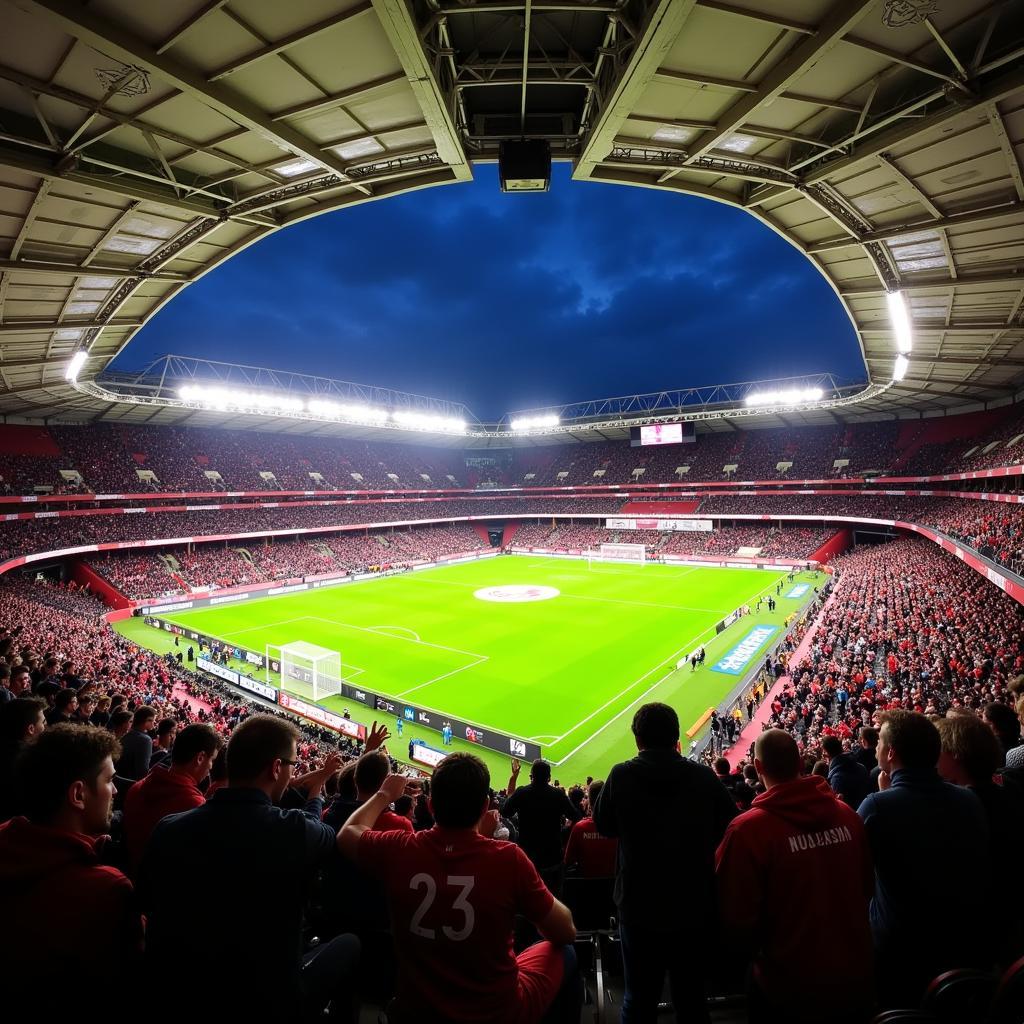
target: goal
<point>301,662</point>
<point>633,553</point>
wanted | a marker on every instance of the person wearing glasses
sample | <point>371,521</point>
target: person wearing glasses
<point>235,872</point>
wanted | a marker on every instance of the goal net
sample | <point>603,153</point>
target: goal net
<point>301,662</point>
<point>635,554</point>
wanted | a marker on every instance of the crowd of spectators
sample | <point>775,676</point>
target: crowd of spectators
<point>433,542</point>
<point>909,634</point>
<point>993,528</point>
<point>109,458</point>
<point>206,566</point>
<point>908,627</point>
<point>725,541</point>
<point>137,575</point>
<point>759,540</point>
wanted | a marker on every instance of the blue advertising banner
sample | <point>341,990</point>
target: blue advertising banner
<point>742,654</point>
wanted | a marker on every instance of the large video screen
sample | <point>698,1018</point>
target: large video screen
<point>662,433</point>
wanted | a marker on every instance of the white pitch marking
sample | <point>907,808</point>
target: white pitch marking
<point>461,668</point>
<point>404,639</point>
<point>268,625</point>
<point>405,629</point>
<point>650,689</point>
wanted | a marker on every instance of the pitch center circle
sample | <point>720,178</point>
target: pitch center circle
<point>516,593</point>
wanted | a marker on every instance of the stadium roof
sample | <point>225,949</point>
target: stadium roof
<point>141,145</point>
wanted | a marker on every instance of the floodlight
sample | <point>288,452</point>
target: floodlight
<point>76,364</point>
<point>429,421</point>
<point>788,396</point>
<point>900,318</point>
<point>346,411</point>
<point>266,402</point>
<point>534,422</point>
<point>901,367</point>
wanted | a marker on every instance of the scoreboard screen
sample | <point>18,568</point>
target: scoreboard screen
<point>662,433</point>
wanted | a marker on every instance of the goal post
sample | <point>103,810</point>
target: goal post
<point>302,662</point>
<point>634,554</point>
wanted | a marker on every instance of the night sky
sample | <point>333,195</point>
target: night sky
<point>516,301</point>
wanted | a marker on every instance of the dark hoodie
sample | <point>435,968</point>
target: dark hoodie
<point>793,871</point>
<point>65,916</point>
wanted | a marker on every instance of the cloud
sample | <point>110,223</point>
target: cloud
<point>508,302</point>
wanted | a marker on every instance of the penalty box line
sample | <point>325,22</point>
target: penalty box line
<point>478,659</point>
<point>354,670</point>
<point>382,631</point>
<point>650,689</point>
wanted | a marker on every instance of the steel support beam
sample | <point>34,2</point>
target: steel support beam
<point>904,130</point>
<point>280,45</point>
<point>42,325</point>
<point>109,38</point>
<point>970,361</point>
<point>939,284</point>
<point>979,327</point>
<point>691,78</point>
<point>840,19</point>
<point>661,28</point>
<point>29,364</point>
<point>397,21</point>
<point>30,216</point>
<point>1009,152</point>
<point>967,219</point>
<point>189,23</point>
<point>971,385</point>
<point>539,7</point>
<point>121,187</point>
<point>33,266</point>
<point>339,99</point>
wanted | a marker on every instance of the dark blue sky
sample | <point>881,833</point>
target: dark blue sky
<point>512,302</point>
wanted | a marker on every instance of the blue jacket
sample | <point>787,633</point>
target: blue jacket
<point>933,876</point>
<point>136,751</point>
<point>849,779</point>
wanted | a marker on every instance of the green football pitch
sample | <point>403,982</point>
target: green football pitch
<point>562,667</point>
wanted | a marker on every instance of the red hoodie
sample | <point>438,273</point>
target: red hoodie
<point>162,792</point>
<point>65,915</point>
<point>795,879</point>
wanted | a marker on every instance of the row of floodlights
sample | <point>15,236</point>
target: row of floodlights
<point>786,396</point>
<point>222,399</point>
<point>534,422</point>
<point>270,404</point>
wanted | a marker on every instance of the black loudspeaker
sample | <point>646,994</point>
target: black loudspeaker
<point>524,165</point>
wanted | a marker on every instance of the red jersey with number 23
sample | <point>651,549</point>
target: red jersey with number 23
<point>453,896</point>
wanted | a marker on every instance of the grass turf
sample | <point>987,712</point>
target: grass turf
<point>563,672</point>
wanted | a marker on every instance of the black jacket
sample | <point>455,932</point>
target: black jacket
<point>541,809</point>
<point>669,815</point>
